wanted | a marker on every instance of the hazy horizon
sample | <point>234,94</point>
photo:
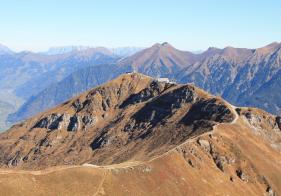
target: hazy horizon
<point>187,25</point>
<point>143,47</point>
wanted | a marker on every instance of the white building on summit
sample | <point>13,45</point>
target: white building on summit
<point>163,80</point>
<point>167,80</point>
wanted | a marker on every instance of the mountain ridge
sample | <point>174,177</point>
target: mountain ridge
<point>122,96</point>
<point>134,130</point>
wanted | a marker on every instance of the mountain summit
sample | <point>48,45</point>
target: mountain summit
<point>135,130</point>
<point>159,60</point>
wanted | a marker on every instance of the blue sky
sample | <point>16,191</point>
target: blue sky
<point>186,24</point>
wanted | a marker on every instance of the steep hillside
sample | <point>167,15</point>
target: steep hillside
<point>146,137</point>
<point>116,118</point>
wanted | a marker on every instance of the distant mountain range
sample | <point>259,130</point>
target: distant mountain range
<point>242,76</point>
<point>65,49</point>
<point>119,52</point>
<point>125,51</point>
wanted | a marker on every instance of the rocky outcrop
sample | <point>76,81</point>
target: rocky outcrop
<point>155,88</point>
<point>163,106</point>
<point>74,123</point>
<point>50,122</point>
<point>208,110</point>
<point>242,175</point>
<point>278,122</point>
<point>64,121</point>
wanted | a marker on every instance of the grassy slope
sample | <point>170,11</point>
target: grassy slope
<point>169,174</point>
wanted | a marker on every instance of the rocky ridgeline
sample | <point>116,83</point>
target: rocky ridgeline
<point>114,123</point>
<point>165,127</point>
<point>154,89</point>
<point>169,113</point>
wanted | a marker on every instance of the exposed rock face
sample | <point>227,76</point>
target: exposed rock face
<point>278,121</point>
<point>156,111</point>
<point>73,124</point>
<point>242,175</point>
<point>50,122</point>
<point>176,135</point>
<point>154,89</point>
<point>64,121</point>
<point>209,110</point>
